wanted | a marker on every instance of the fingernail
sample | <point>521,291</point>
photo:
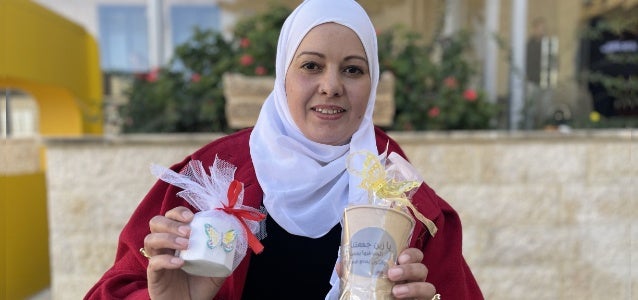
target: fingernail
<point>187,214</point>
<point>183,230</point>
<point>182,241</point>
<point>400,290</point>
<point>404,258</point>
<point>176,260</point>
<point>395,273</point>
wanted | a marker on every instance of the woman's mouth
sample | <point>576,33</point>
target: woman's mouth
<point>329,110</point>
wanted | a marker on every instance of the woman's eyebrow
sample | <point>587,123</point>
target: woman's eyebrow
<point>311,53</point>
<point>349,57</point>
<point>356,57</point>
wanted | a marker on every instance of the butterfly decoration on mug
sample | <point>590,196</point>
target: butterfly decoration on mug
<point>215,239</point>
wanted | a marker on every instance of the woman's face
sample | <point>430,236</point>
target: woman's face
<point>328,84</point>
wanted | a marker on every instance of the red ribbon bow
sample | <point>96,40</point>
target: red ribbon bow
<point>234,190</point>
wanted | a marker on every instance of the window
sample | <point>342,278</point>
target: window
<point>185,17</point>
<point>18,117</point>
<point>123,38</point>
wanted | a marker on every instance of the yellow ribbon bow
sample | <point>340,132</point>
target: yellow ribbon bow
<point>374,178</point>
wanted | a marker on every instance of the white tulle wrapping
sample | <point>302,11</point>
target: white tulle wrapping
<point>209,195</point>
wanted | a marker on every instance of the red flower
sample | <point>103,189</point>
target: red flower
<point>196,77</point>
<point>434,112</point>
<point>153,75</point>
<point>246,60</point>
<point>470,95</point>
<point>244,43</point>
<point>450,82</point>
<point>260,70</point>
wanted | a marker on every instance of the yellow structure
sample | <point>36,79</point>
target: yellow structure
<point>24,236</point>
<point>57,63</point>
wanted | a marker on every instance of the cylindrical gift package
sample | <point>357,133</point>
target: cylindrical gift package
<point>224,228</point>
<point>373,236</point>
<point>212,244</point>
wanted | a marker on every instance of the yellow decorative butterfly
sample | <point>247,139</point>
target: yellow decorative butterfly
<point>228,240</point>
<point>214,238</point>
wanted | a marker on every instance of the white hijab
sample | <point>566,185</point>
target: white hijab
<point>306,185</point>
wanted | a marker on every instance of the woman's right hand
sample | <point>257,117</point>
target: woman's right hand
<point>166,279</point>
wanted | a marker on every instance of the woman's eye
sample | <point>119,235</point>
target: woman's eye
<point>352,70</point>
<point>310,66</point>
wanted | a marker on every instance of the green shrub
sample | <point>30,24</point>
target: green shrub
<point>434,93</point>
<point>431,93</point>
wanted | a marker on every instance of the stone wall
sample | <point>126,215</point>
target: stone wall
<point>19,156</point>
<point>545,216</point>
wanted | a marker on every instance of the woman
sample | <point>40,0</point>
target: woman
<point>293,162</point>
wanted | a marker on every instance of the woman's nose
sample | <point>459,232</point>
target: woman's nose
<point>331,84</point>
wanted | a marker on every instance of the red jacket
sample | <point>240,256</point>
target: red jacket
<point>448,270</point>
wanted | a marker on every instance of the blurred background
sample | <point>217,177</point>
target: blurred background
<point>520,113</point>
<point>534,64</point>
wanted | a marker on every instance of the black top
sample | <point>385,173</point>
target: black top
<point>292,266</point>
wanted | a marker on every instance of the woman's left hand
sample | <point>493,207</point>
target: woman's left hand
<point>409,276</point>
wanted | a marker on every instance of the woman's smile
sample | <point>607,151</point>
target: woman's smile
<point>328,87</point>
<point>328,112</point>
